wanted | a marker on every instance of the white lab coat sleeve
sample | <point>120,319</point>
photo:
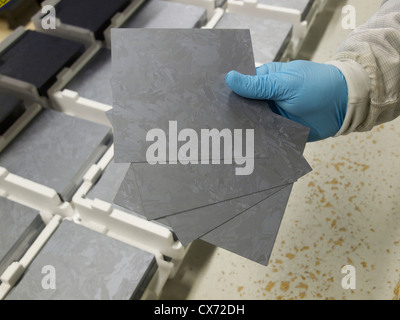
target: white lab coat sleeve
<point>370,62</point>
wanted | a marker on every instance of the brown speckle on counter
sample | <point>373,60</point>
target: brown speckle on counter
<point>285,286</point>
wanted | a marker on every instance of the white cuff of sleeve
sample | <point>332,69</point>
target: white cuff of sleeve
<point>359,86</point>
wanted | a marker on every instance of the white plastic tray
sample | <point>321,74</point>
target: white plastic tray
<point>101,216</point>
<point>300,27</point>
<point>80,34</point>
<point>30,112</point>
<point>15,271</point>
<point>33,195</point>
<point>29,92</point>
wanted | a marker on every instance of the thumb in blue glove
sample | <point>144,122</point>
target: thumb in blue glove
<point>310,93</point>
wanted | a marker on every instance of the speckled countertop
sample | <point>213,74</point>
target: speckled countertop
<point>346,212</point>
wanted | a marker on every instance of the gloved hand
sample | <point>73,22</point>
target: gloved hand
<point>312,94</point>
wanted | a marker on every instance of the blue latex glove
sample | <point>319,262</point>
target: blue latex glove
<point>310,93</point>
